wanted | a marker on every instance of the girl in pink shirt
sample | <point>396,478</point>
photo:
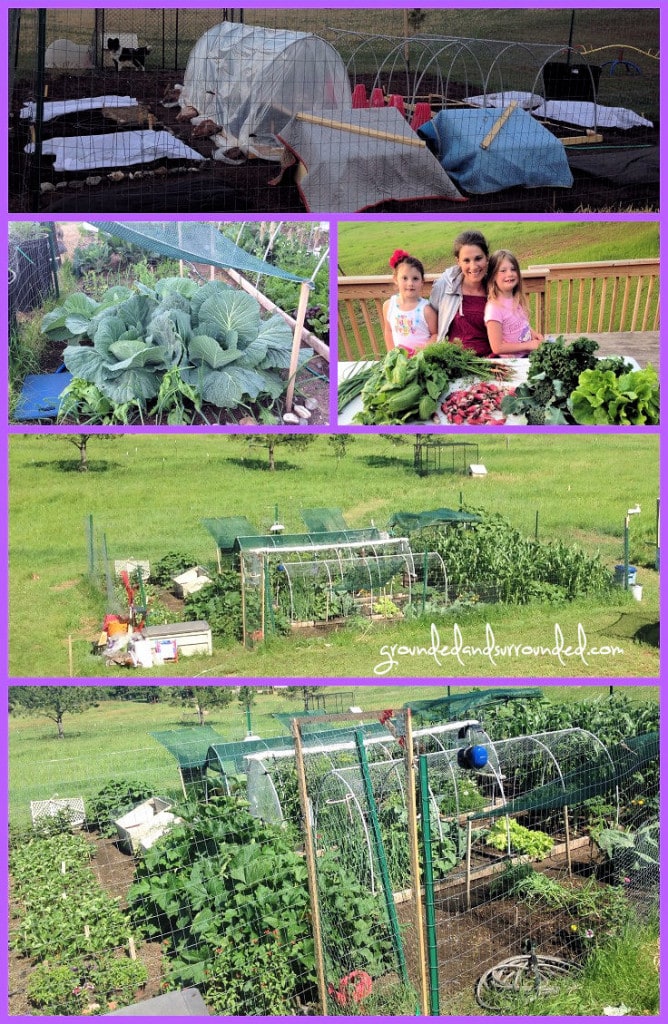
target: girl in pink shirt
<point>506,312</point>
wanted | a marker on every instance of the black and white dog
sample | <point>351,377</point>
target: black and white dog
<point>128,58</point>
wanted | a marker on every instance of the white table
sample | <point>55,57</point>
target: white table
<point>519,369</point>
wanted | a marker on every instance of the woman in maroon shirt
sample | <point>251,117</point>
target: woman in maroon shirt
<point>460,293</point>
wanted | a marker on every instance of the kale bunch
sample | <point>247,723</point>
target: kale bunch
<point>554,371</point>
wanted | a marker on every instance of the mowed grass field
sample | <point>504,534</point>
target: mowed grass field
<point>365,248</point>
<point>112,741</point>
<point>148,494</point>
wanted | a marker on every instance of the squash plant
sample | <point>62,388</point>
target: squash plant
<point>210,342</point>
<point>224,881</point>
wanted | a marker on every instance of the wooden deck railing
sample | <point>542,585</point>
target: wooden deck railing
<point>564,298</point>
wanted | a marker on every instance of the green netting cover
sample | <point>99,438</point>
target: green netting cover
<point>328,538</point>
<point>226,530</point>
<point>409,522</point>
<point>229,757</point>
<point>319,520</point>
<point>191,240</point>
<point>189,746</point>
<point>446,709</point>
<point>601,776</point>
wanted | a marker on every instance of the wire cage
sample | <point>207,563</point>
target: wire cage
<point>325,581</point>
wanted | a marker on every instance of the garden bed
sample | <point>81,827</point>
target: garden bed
<point>629,180</point>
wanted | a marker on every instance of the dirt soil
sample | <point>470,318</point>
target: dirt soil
<point>629,180</point>
<point>472,941</point>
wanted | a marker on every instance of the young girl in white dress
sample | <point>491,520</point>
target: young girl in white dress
<point>409,322</point>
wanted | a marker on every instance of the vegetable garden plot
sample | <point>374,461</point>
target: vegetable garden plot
<point>201,168</point>
<point>229,902</point>
<point>502,877</point>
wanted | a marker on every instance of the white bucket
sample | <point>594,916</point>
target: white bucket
<point>637,592</point>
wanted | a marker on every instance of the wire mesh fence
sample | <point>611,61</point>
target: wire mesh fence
<point>283,110</point>
<point>357,865</point>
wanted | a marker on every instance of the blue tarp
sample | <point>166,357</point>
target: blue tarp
<point>522,153</point>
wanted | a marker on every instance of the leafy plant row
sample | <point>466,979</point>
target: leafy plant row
<point>228,896</point>
<point>72,928</point>
<point>494,560</point>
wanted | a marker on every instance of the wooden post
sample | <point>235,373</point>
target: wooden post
<point>411,807</point>
<point>469,835</point>
<point>132,948</point>
<point>311,867</point>
<point>296,342</point>
<point>243,600</point>
<point>567,836</point>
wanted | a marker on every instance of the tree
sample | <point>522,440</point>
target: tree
<point>201,698</point>
<point>272,441</point>
<point>52,702</point>
<point>339,444</point>
<point>81,442</point>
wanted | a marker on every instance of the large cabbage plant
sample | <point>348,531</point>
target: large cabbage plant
<point>213,335</point>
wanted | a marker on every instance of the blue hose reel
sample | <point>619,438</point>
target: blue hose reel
<point>472,757</point>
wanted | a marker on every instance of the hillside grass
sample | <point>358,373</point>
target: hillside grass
<point>148,494</point>
<point>113,741</point>
<point>365,248</point>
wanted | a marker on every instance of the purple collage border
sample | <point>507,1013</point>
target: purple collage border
<point>334,220</point>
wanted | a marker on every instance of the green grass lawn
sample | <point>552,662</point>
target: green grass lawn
<point>113,741</point>
<point>148,494</point>
<point>364,248</point>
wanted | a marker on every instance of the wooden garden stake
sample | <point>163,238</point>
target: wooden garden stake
<point>358,129</point>
<point>498,125</point>
<point>411,807</point>
<point>309,848</point>
<point>469,836</point>
<point>296,342</point>
<point>132,948</point>
<point>567,835</point>
<point>87,931</point>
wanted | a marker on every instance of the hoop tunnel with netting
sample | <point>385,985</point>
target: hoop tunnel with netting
<point>320,577</point>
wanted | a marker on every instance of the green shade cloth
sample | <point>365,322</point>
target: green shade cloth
<point>409,522</point>
<point>460,705</point>
<point>189,746</point>
<point>194,241</point>
<point>323,519</point>
<point>226,530</point>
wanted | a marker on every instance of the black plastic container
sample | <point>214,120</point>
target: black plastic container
<point>571,81</point>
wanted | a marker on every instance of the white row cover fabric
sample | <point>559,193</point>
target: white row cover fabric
<point>585,114</point>
<point>347,170</point>
<point>120,149</point>
<point>56,108</point>
<point>251,80</point>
